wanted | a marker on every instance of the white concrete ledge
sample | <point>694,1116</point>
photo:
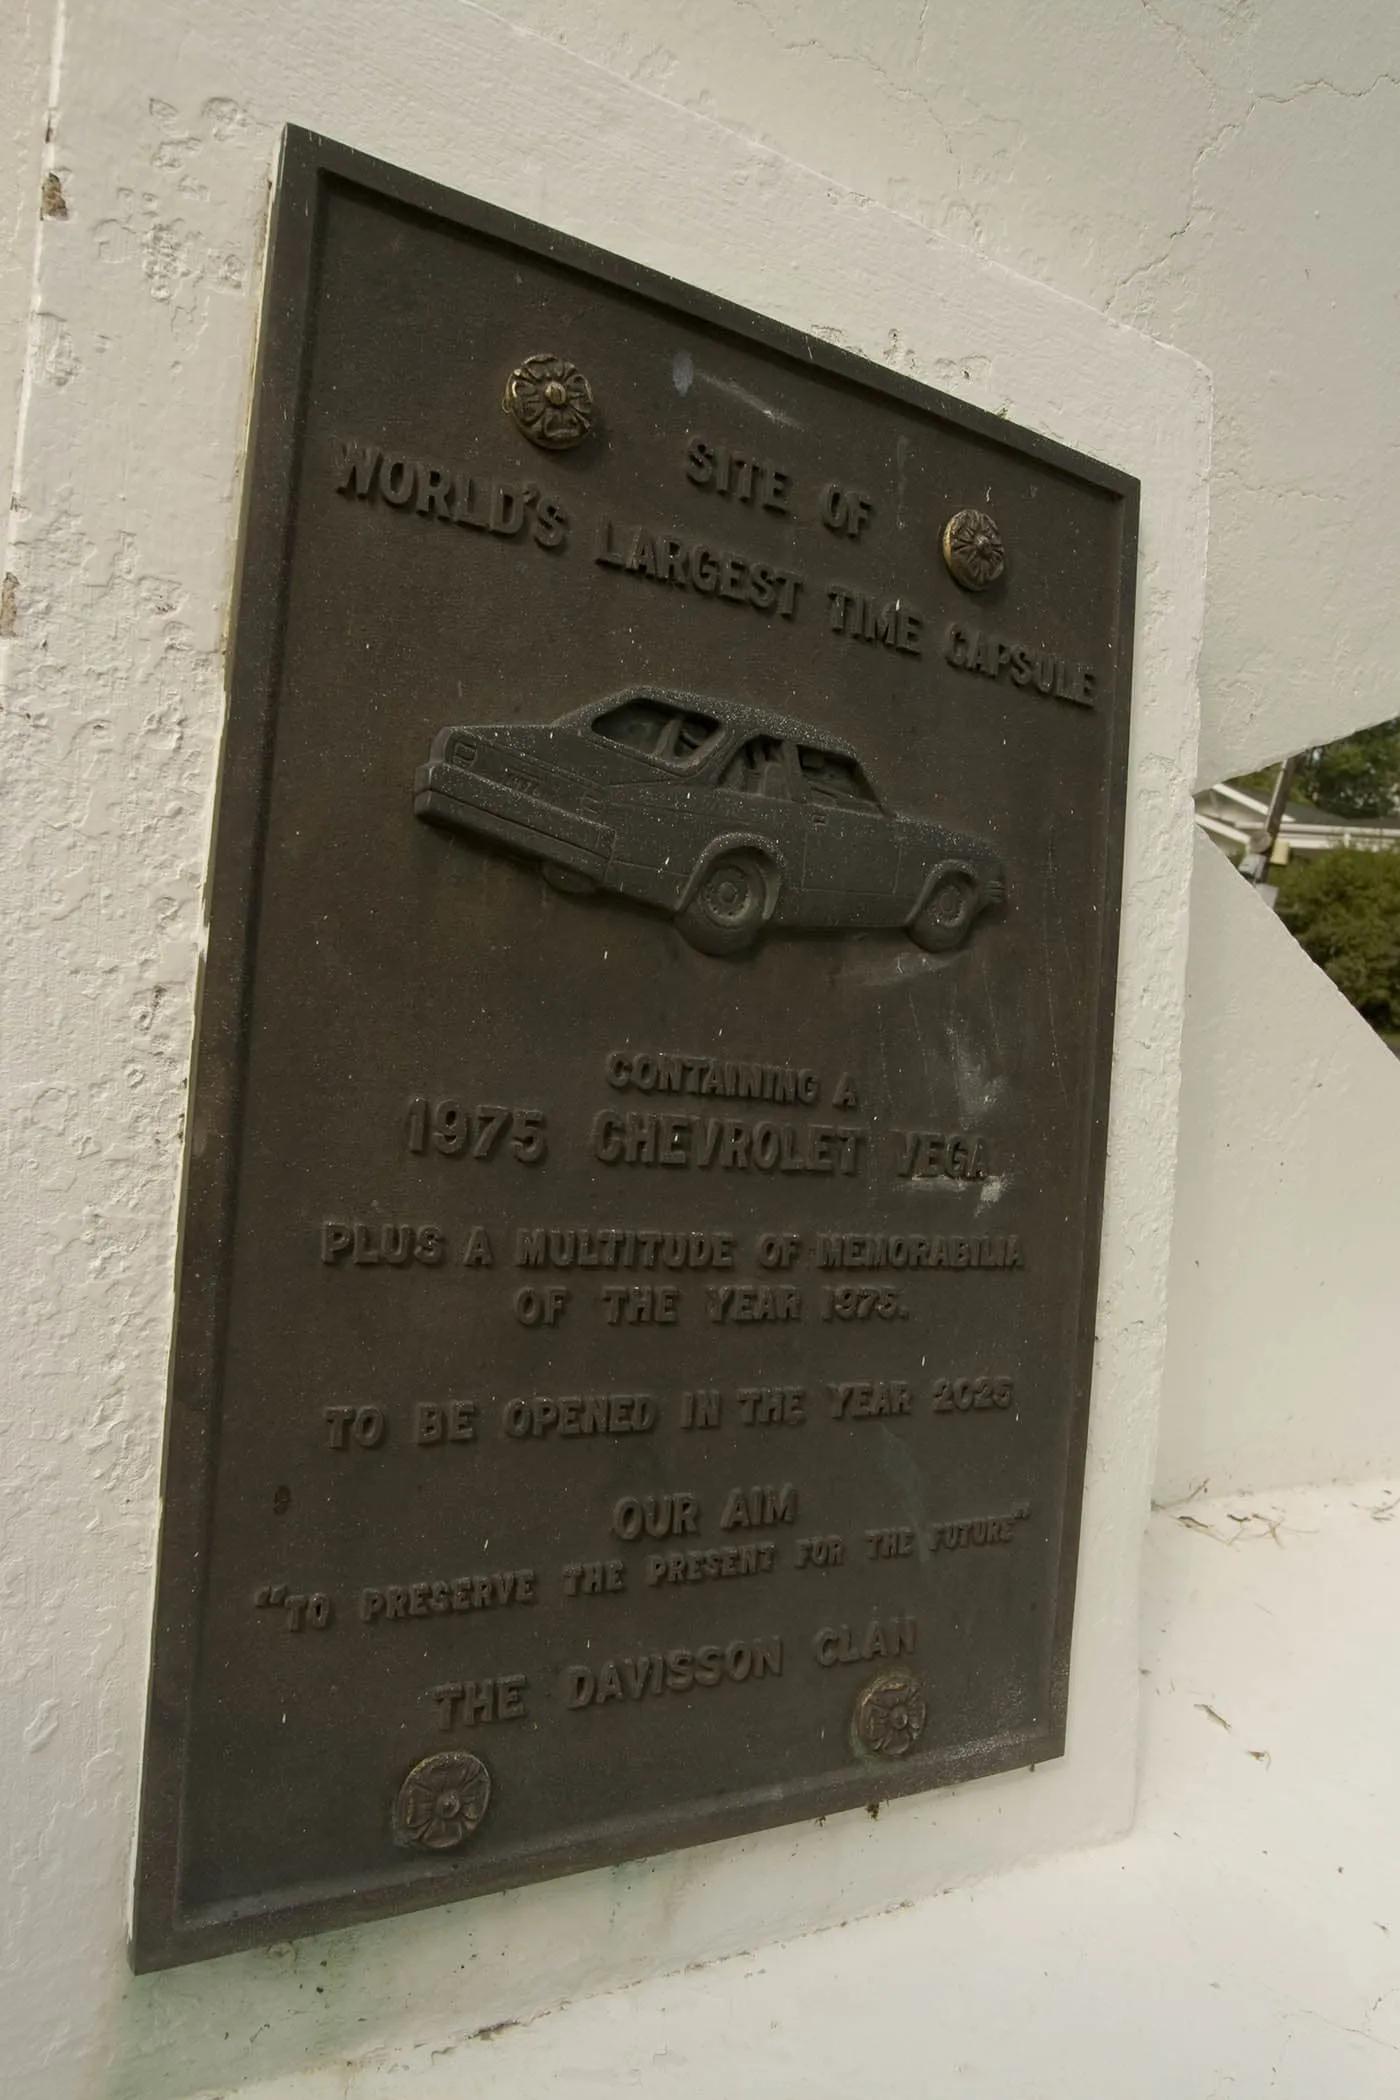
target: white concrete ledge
<point>1243,1941</point>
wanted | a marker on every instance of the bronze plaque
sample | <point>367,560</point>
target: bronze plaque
<point>645,1157</point>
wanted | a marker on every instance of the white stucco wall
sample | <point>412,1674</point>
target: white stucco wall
<point>26,58</point>
<point>866,172</point>
<point>1219,175</point>
<point>1286,1256</point>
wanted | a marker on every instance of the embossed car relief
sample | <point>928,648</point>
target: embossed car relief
<point>732,819</point>
<point>638,1257</point>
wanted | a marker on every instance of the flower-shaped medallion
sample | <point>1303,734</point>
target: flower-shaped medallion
<point>550,401</point>
<point>442,1801</point>
<point>973,550</point>
<point>890,1714</point>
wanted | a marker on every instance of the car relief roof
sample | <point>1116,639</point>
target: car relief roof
<point>731,714</point>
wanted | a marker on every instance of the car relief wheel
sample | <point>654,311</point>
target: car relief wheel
<point>728,906</point>
<point>953,902</point>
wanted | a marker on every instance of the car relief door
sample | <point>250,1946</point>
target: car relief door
<point>850,868</point>
<point>649,756</point>
<point>755,799</point>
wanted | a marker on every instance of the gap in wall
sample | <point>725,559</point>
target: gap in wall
<point>1318,834</point>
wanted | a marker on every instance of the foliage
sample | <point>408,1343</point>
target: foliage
<point>1356,777</point>
<point>1344,907</point>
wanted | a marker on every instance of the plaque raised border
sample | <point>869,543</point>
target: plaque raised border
<point>889,1712</point>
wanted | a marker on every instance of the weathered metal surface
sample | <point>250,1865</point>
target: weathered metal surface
<point>645,1161</point>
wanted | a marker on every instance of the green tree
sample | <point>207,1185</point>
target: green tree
<point>1357,777</point>
<point>1344,907</point>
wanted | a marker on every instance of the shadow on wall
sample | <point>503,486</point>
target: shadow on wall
<point>1319,836</point>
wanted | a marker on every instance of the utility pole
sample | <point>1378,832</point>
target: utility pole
<point>1256,862</point>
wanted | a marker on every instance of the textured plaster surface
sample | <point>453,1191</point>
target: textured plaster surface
<point>1222,173</point>
<point>1241,1944</point>
<point>1285,1282</point>
<point>165,122</point>
<point>27,52</point>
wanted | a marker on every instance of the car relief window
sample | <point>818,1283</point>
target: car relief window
<point>757,768</point>
<point>639,724</point>
<point>694,734</point>
<point>676,734</point>
<point>829,776</point>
